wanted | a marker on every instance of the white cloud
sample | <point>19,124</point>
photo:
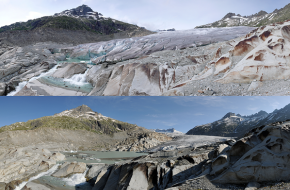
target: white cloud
<point>33,15</point>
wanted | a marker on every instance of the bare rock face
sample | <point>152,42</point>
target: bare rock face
<point>263,54</point>
<point>70,168</point>
<point>261,156</point>
<point>142,142</point>
<point>67,70</point>
<point>94,171</point>
<point>20,163</point>
<point>57,156</point>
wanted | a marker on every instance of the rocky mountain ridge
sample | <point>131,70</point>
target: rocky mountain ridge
<point>103,133</point>
<point>68,26</point>
<point>230,125</point>
<point>81,11</point>
<point>261,18</point>
<point>237,125</point>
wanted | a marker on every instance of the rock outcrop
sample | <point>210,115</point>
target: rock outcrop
<point>261,156</point>
<point>259,19</point>
<point>21,163</point>
<point>153,65</point>
<point>67,169</point>
<point>230,125</point>
<point>110,74</point>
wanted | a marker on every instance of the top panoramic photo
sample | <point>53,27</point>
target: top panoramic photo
<point>144,48</point>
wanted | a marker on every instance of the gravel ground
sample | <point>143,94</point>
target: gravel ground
<point>269,88</point>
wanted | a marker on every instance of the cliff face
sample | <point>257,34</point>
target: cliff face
<point>230,125</point>
<point>261,18</point>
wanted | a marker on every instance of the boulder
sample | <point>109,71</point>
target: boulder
<point>102,178</point>
<point>139,180</point>
<point>13,184</point>
<point>70,168</point>
<point>60,56</point>
<point>57,156</point>
<point>67,70</point>
<point>164,173</point>
<point>180,173</point>
<point>94,171</point>
<point>9,71</point>
<point>112,182</point>
<point>253,186</point>
<point>46,52</point>
<point>46,165</point>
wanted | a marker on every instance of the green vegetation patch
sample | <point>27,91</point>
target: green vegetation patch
<point>103,126</point>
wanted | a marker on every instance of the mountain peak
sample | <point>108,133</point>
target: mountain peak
<point>261,13</point>
<point>230,114</point>
<point>83,109</point>
<point>83,9</point>
<point>80,11</point>
<point>229,15</point>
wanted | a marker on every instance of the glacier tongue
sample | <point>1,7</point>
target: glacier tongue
<point>124,49</point>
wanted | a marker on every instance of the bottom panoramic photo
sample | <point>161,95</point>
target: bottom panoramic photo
<point>144,143</point>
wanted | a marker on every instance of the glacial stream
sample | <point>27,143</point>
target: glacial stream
<point>78,180</point>
<point>77,82</point>
<point>100,157</point>
<point>47,173</point>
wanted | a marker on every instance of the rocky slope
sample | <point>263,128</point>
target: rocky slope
<point>259,19</point>
<point>237,125</point>
<point>69,128</point>
<point>110,74</point>
<point>192,62</point>
<point>260,159</point>
<point>255,64</point>
<point>282,114</point>
<point>230,125</point>
<point>79,25</point>
<point>22,163</point>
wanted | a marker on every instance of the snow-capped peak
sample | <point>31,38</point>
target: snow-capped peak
<point>83,11</point>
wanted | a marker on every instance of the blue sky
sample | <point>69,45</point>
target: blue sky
<point>181,113</point>
<point>153,14</point>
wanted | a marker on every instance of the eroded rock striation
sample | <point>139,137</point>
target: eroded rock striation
<point>22,163</point>
<point>114,70</point>
<point>260,156</point>
<point>153,65</point>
